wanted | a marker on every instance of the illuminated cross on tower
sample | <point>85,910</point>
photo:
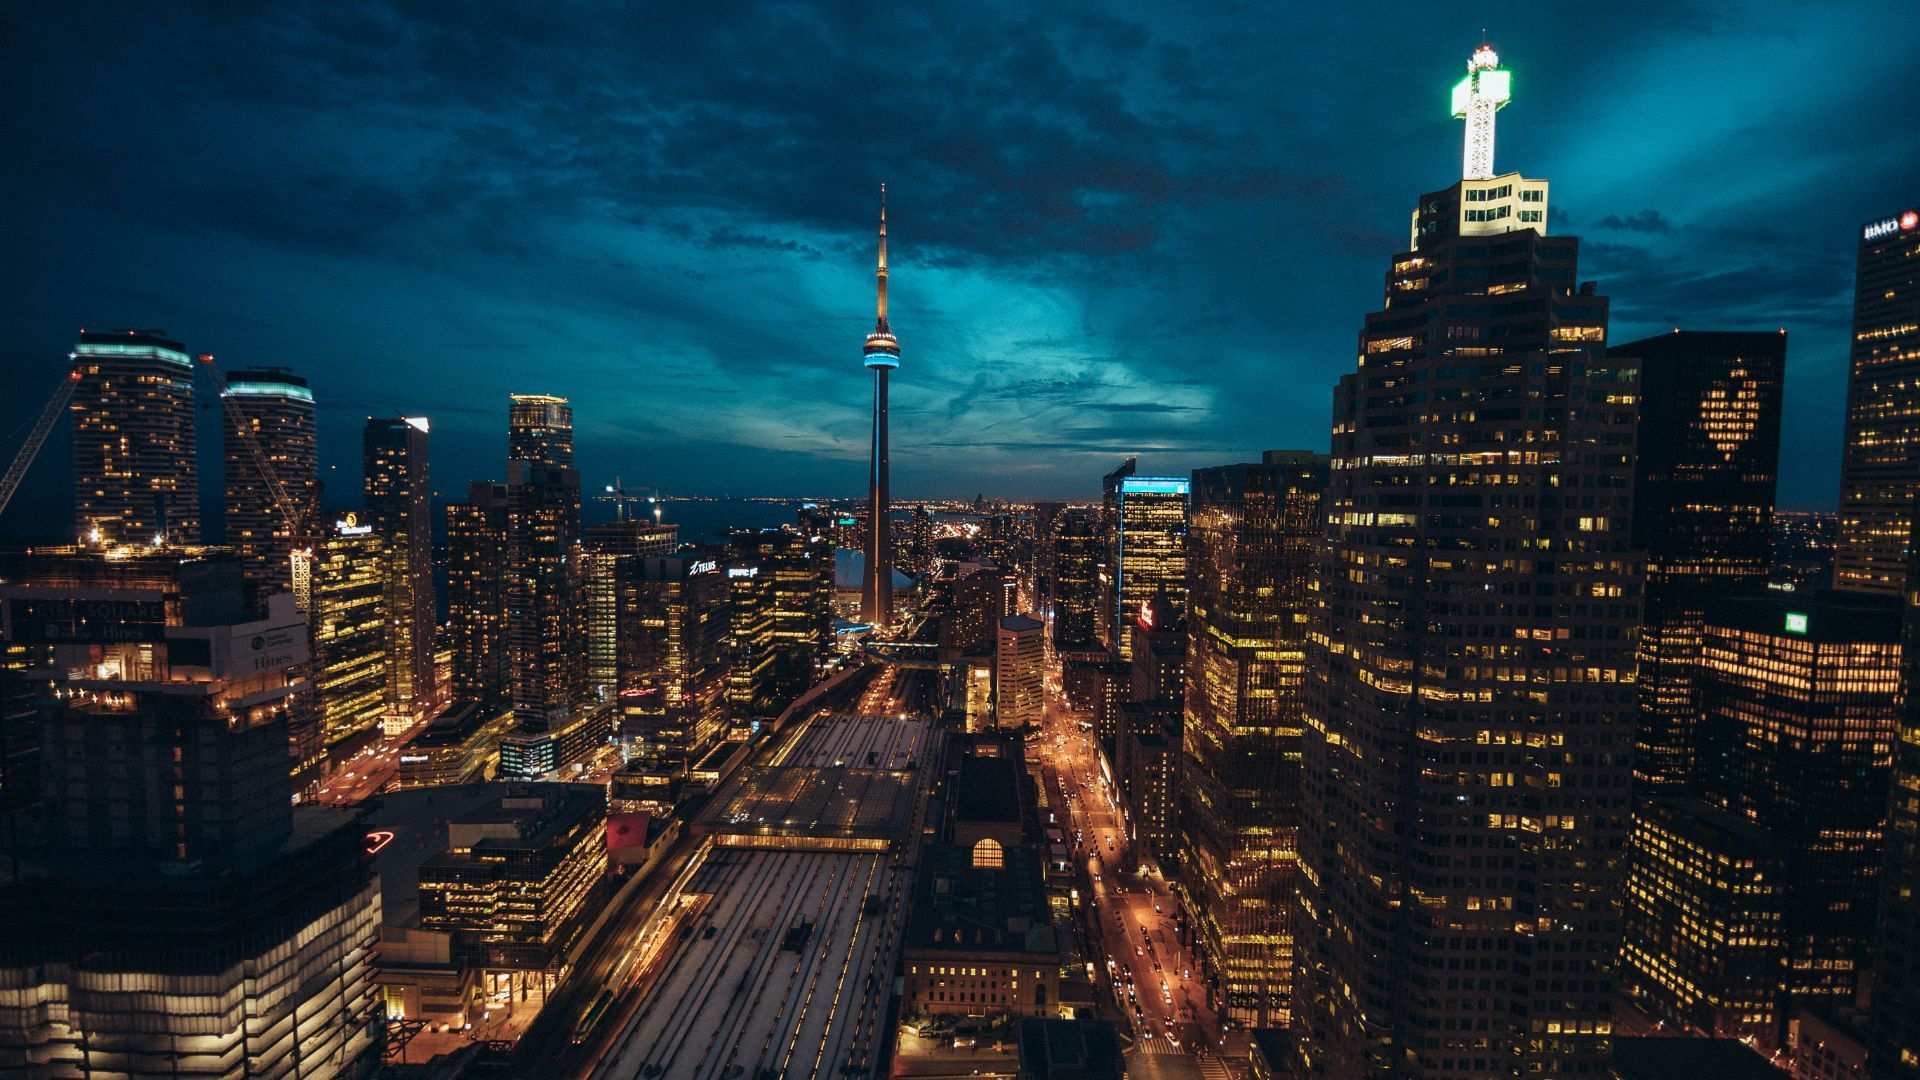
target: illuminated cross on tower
<point>1484,91</point>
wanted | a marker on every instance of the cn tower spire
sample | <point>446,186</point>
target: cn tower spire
<point>881,356</point>
<point>881,273</point>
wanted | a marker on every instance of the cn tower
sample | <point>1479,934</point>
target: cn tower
<point>882,355</point>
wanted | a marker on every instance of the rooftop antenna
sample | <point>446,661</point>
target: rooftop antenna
<point>1485,91</point>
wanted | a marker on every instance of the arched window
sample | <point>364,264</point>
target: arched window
<point>986,855</point>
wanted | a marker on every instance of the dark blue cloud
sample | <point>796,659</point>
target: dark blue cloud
<point>1120,228</point>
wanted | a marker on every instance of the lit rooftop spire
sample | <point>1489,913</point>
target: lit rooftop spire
<point>882,325</point>
<point>1485,91</point>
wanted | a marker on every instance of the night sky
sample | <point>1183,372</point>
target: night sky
<point>1146,229</point>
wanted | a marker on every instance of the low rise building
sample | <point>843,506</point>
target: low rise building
<point>516,882</point>
<point>981,939</point>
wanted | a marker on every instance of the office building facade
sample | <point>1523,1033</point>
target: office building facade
<point>1703,920</point>
<point>477,595</point>
<point>1149,553</point>
<point>1255,535</point>
<point>349,623</point>
<point>670,628</point>
<point>1799,716</point>
<point>1019,672</point>
<point>1880,458</point>
<point>1706,462</point>
<point>399,506</point>
<point>540,430</point>
<point>1469,713</point>
<point>172,913</point>
<point>1073,583</point>
<point>545,587</point>
<point>1894,1034</point>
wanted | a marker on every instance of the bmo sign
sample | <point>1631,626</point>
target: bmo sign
<point>1889,226</point>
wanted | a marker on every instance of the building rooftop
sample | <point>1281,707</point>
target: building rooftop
<point>1681,1058</point>
<point>1052,1049</point>
<point>1020,624</point>
<point>987,789</point>
<point>847,778</point>
<point>410,827</point>
<point>963,907</point>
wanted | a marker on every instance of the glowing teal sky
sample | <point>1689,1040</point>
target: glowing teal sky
<point>1115,229</point>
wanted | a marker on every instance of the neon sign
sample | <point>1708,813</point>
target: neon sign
<point>1146,614</point>
<point>1887,226</point>
<point>378,839</point>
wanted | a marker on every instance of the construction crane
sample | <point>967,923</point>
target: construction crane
<point>621,496</point>
<point>23,460</point>
<point>294,513</point>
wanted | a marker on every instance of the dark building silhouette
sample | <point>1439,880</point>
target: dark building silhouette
<point>1799,715</point>
<point>1880,463</point>
<point>546,638</point>
<point>399,506</point>
<point>1708,448</point>
<point>168,911</point>
<point>477,595</point>
<point>1254,538</point>
<point>1894,1036</point>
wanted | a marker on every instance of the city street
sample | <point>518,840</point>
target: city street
<point>366,773</point>
<point>1153,977</point>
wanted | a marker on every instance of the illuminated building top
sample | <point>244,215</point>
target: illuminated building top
<point>882,350</point>
<point>1486,90</point>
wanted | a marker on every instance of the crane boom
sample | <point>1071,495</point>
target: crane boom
<point>22,461</point>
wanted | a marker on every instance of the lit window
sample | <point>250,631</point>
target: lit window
<point>986,854</point>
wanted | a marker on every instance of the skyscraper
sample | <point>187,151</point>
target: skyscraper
<point>1469,708</point>
<point>540,429</point>
<point>276,408</point>
<point>1149,554</point>
<point>781,630</point>
<point>1880,463</point>
<point>477,594</point>
<point>1799,716</point>
<point>1894,1049</point>
<point>1108,626</point>
<point>670,654</point>
<point>134,476</point>
<point>173,914</point>
<point>882,355</point>
<point>399,506</point>
<point>351,631</point>
<point>1708,447</point>
<point>1255,536</point>
<point>1074,588</point>
<point>545,625</point>
<point>1019,669</point>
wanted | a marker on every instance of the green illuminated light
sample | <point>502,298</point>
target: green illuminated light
<point>1461,91</point>
<point>1796,623</point>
